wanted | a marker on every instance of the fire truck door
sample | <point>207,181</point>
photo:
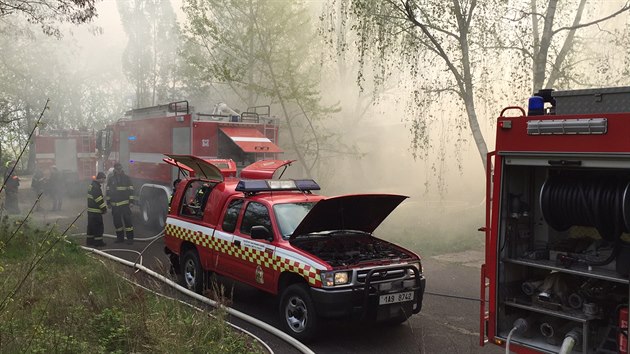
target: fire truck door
<point>66,154</point>
<point>123,157</point>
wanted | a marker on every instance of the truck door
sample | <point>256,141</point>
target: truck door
<point>255,264</point>
<point>223,238</point>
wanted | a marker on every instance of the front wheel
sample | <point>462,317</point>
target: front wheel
<point>297,313</point>
<point>192,275</point>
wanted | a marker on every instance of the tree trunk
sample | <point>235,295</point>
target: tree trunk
<point>568,44</point>
<point>540,55</point>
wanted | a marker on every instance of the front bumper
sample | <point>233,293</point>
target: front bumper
<point>361,301</point>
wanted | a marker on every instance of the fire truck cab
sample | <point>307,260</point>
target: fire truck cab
<point>317,254</point>
<point>138,141</point>
<point>557,263</point>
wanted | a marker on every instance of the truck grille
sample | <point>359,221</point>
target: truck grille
<point>381,275</point>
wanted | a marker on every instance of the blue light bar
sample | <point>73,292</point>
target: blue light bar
<point>306,185</point>
<point>258,185</point>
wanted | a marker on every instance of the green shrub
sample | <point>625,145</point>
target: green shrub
<point>55,298</point>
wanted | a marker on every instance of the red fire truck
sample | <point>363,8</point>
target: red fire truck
<point>557,265</point>
<point>317,254</point>
<point>139,141</point>
<point>71,151</point>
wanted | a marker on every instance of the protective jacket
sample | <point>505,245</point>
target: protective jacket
<point>120,196</point>
<point>96,207</point>
<point>120,190</point>
<point>96,203</point>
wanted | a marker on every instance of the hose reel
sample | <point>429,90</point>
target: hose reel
<point>599,201</point>
<point>596,201</point>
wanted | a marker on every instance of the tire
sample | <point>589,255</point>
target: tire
<point>146,212</point>
<point>297,313</point>
<point>175,269</point>
<point>154,211</point>
<point>192,275</point>
<point>161,208</point>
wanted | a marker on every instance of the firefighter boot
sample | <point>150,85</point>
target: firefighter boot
<point>98,241</point>
<point>120,235</point>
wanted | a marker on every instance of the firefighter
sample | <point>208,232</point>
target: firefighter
<point>38,184</point>
<point>55,188</point>
<point>119,198</point>
<point>96,207</point>
<point>12,184</point>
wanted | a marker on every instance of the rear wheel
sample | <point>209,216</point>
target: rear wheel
<point>192,275</point>
<point>154,210</point>
<point>161,207</point>
<point>146,212</point>
<point>297,313</point>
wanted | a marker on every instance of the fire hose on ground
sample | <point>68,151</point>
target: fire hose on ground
<point>240,315</point>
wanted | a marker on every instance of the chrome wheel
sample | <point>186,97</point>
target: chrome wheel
<point>190,274</point>
<point>296,314</point>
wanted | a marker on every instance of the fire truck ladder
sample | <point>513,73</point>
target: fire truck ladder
<point>164,110</point>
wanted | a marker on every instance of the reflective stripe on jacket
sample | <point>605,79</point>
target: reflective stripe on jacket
<point>120,190</point>
<point>96,203</point>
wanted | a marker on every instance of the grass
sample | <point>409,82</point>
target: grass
<point>55,298</point>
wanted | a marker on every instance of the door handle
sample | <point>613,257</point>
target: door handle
<point>237,243</point>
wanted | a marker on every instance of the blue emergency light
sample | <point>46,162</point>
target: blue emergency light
<point>536,106</point>
<point>258,185</point>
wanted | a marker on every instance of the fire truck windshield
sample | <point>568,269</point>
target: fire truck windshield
<point>289,216</point>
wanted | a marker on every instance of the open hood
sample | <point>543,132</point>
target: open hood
<point>201,167</point>
<point>263,169</point>
<point>363,212</point>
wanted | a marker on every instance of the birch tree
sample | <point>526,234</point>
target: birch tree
<point>451,49</point>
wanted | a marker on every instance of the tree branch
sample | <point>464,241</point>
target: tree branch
<point>437,47</point>
<point>625,8</point>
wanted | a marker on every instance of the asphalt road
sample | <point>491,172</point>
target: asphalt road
<point>445,325</point>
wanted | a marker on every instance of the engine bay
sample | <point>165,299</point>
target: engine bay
<point>340,249</point>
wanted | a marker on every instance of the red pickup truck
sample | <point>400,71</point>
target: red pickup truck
<point>317,254</point>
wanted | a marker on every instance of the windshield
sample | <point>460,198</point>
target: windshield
<point>289,216</point>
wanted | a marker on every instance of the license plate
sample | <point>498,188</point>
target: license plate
<point>394,298</point>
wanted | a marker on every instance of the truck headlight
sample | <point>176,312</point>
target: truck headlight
<point>334,278</point>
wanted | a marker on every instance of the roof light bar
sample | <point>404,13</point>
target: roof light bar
<point>257,185</point>
<point>567,126</point>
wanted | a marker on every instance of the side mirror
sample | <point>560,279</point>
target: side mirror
<point>260,232</point>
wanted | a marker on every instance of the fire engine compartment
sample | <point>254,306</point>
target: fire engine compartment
<point>343,248</point>
<point>562,249</point>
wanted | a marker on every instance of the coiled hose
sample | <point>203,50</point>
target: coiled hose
<point>597,201</point>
